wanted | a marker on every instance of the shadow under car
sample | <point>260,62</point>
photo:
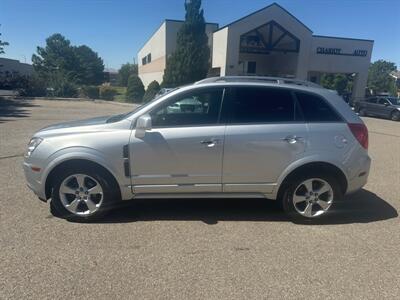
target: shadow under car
<point>360,207</point>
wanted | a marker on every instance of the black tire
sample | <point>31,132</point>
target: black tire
<point>290,187</point>
<point>395,115</point>
<point>362,112</point>
<point>111,193</point>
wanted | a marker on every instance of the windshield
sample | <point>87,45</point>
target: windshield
<point>119,117</point>
<point>394,100</point>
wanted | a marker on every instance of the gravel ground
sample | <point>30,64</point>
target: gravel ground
<point>197,249</point>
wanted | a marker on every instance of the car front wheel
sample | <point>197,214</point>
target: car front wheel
<point>362,112</point>
<point>395,116</point>
<point>82,194</point>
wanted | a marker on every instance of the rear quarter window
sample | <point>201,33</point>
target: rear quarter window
<point>316,109</point>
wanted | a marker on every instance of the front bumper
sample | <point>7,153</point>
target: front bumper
<point>34,182</point>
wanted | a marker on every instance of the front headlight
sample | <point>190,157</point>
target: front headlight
<point>34,142</point>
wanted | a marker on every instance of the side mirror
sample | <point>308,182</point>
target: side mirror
<point>387,104</point>
<point>143,124</point>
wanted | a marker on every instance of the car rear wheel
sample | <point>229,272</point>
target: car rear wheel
<point>311,196</point>
<point>395,116</point>
<point>82,194</point>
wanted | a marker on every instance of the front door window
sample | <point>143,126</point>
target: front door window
<point>197,108</point>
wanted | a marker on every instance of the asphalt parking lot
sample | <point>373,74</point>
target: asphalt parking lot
<point>197,249</point>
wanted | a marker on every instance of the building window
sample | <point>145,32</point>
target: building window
<point>146,59</point>
<point>251,67</point>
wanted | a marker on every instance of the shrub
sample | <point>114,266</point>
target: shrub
<point>125,71</point>
<point>135,89</point>
<point>89,91</point>
<point>151,91</point>
<point>32,86</point>
<point>107,93</point>
<point>65,88</point>
<point>59,85</point>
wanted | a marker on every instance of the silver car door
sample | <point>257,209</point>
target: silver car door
<point>263,137</point>
<point>182,153</point>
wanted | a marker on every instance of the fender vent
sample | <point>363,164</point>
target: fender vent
<point>125,151</point>
<point>125,155</point>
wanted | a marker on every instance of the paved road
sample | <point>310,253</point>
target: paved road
<point>209,249</point>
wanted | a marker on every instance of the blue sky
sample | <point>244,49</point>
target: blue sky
<point>116,29</point>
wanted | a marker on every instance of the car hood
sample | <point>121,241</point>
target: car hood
<point>78,123</point>
<point>86,126</point>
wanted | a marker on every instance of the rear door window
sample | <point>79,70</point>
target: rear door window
<point>262,105</point>
<point>316,109</point>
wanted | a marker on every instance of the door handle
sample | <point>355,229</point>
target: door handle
<point>292,139</point>
<point>209,143</point>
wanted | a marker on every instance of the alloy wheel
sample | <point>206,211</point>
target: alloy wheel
<point>313,197</point>
<point>81,194</point>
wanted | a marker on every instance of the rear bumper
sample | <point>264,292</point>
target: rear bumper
<point>361,177</point>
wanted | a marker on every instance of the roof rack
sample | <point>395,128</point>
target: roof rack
<point>278,80</point>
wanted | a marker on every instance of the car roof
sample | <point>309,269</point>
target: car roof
<point>318,90</point>
<point>260,79</point>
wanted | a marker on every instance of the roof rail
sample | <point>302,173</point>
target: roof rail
<point>278,80</point>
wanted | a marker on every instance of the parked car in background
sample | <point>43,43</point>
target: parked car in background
<point>379,106</point>
<point>293,142</point>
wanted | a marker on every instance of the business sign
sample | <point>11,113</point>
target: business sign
<point>338,51</point>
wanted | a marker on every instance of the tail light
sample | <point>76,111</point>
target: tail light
<point>360,132</point>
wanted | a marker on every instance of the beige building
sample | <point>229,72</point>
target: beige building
<point>153,55</point>
<point>268,42</point>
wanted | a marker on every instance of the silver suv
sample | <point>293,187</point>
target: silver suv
<point>280,139</point>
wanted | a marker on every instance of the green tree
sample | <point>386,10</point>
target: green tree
<point>89,66</point>
<point>151,91</point>
<point>59,59</point>
<point>342,83</point>
<point>135,89</point>
<point>327,81</point>
<point>125,71</point>
<point>56,57</point>
<point>190,61</point>
<point>379,79</point>
<point>2,44</point>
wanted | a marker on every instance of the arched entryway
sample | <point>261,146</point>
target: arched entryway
<point>268,50</point>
